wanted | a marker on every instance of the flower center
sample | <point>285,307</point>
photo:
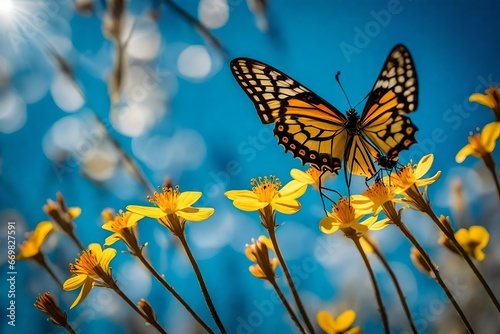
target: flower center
<point>167,200</point>
<point>85,265</point>
<point>404,177</point>
<point>379,193</point>
<point>120,221</point>
<point>344,212</point>
<point>266,188</point>
<point>477,145</point>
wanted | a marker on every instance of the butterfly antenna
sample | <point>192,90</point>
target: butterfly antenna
<point>362,100</point>
<point>337,77</point>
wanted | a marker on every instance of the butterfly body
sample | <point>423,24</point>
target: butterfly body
<point>318,133</point>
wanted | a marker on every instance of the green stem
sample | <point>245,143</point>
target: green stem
<point>298,302</point>
<point>153,323</point>
<point>203,287</point>
<point>287,306</point>
<point>401,295</point>
<point>464,255</point>
<point>170,289</point>
<point>437,275</point>
<point>378,297</point>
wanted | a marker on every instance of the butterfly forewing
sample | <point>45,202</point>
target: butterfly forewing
<point>394,94</point>
<point>305,124</point>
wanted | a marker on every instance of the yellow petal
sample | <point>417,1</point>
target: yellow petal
<point>328,225</point>
<point>187,198</point>
<point>74,212</point>
<point>87,286</point>
<point>74,282</point>
<point>107,255</point>
<point>112,239</point>
<point>380,224</point>
<point>42,231</point>
<point>369,221</point>
<point>147,211</point>
<point>345,320</point>
<point>489,136</point>
<point>256,271</point>
<point>326,321</point>
<point>266,241</point>
<point>195,214</point>
<point>286,205</point>
<point>133,218</point>
<point>355,330</point>
<point>424,165</point>
<point>249,253</point>
<point>479,254</point>
<point>301,176</point>
<point>485,100</point>
<point>362,204</point>
<point>249,204</point>
<point>464,153</point>
<point>430,180</point>
<point>107,226</point>
<point>359,227</point>
<point>480,235</point>
<point>462,236</point>
<point>293,189</point>
<point>235,194</point>
<point>96,249</point>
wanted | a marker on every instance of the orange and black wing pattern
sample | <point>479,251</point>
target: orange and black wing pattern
<point>305,124</point>
<point>395,93</point>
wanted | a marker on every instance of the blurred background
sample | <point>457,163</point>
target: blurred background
<point>162,88</point>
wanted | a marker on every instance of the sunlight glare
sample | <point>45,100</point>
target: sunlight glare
<point>6,8</point>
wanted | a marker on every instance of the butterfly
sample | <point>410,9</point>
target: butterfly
<point>319,134</point>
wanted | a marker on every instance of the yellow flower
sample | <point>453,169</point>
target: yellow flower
<point>341,325</point>
<point>123,227</point>
<point>61,214</point>
<point>345,217</point>
<point>480,144</point>
<point>490,100</point>
<point>32,246</point>
<point>408,176</point>
<point>374,198</point>
<point>172,204</point>
<point>47,304</point>
<point>312,176</point>
<point>258,252</point>
<point>473,241</point>
<point>266,191</point>
<point>90,269</point>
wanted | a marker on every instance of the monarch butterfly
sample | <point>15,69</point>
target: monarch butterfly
<point>319,134</point>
